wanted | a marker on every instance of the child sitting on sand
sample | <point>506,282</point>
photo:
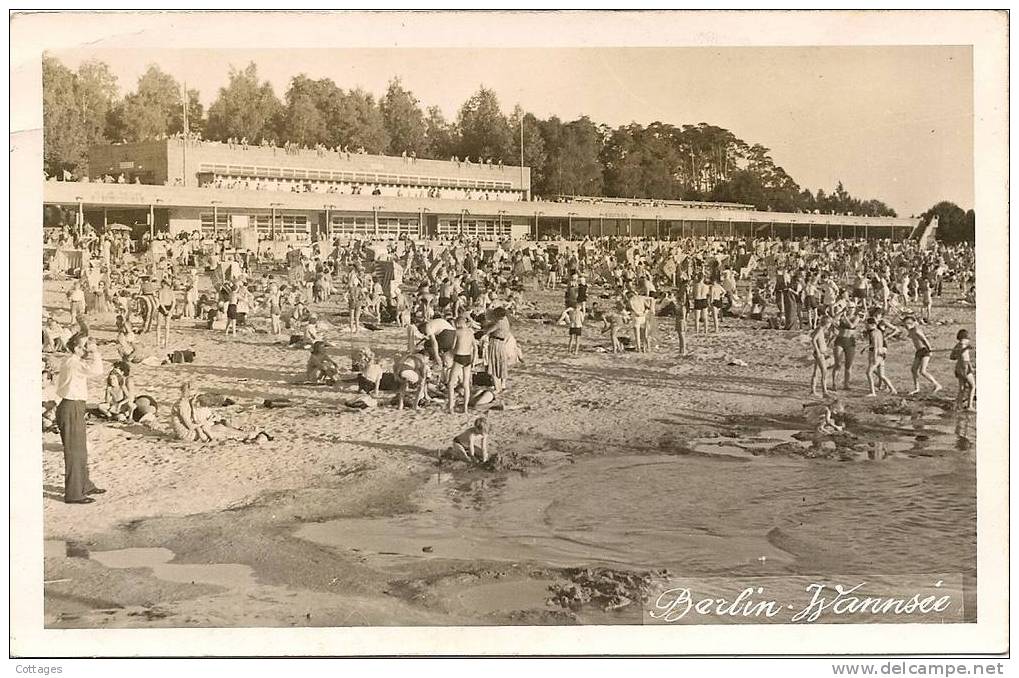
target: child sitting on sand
<point>370,372</point>
<point>831,416</point>
<point>472,444</point>
<point>320,368</point>
<point>119,396</point>
<point>55,336</point>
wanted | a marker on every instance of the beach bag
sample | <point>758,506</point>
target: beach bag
<point>388,382</point>
<point>180,357</point>
<point>483,379</point>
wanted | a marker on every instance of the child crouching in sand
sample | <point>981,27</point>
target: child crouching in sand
<point>472,444</point>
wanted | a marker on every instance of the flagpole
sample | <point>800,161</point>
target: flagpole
<point>522,153</point>
<point>184,99</point>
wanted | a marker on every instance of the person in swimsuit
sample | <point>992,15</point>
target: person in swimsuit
<point>638,306</point>
<point>440,337</point>
<point>922,356</point>
<point>465,352</point>
<point>861,287</point>
<point>321,369</point>
<point>716,297</point>
<point>821,353</point>
<point>811,293</point>
<point>613,323</point>
<point>701,290</point>
<point>845,348</point>
<point>231,312</point>
<point>412,374</point>
<point>926,300</point>
<point>183,420</point>
<point>574,317</point>
<point>876,352</point>
<point>962,354</point>
<point>681,300</point>
<point>275,303</point>
<point>472,444</point>
<point>166,301</point>
<point>119,400</point>
<point>355,302</point>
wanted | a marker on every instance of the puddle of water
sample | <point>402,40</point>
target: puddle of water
<point>509,596</point>
<point>58,548</point>
<point>744,448</point>
<point>230,576</point>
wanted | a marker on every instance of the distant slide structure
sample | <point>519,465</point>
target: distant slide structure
<point>927,236</point>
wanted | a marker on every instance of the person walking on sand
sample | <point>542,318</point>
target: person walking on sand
<point>962,354</point>
<point>821,353</point>
<point>922,357</point>
<point>681,301</point>
<point>876,352</point>
<point>84,362</point>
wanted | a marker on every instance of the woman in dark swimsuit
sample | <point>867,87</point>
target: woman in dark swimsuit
<point>845,348</point>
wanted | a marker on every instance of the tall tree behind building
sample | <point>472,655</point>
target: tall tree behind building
<point>534,145</point>
<point>484,130</point>
<point>440,136</point>
<point>954,224</point>
<point>359,124</point>
<point>75,110</point>
<point>404,120</point>
<point>573,166</point>
<point>154,109</point>
<point>245,108</point>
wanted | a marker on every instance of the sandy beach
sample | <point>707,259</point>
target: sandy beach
<point>236,534</point>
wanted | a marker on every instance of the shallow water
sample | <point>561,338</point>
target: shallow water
<point>694,515</point>
<point>157,560</point>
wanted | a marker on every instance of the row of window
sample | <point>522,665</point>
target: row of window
<point>298,227</point>
<point>484,228</point>
<point>365,225</point>
<point>352,177</point>
<point>294,227</point>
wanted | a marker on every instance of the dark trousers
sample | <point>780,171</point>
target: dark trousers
<point>71,422</point>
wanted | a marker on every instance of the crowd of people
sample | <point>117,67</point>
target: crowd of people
<point>456,301</point>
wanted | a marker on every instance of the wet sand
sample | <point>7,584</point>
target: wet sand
<point>246,511</point>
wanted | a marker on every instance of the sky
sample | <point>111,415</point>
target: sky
<point>892,123</point>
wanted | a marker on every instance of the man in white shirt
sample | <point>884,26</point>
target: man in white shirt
<point>72,390</point>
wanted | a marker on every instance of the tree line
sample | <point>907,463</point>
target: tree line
<point>576,157</point>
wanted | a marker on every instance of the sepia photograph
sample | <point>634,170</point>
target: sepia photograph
<point>589,322</point>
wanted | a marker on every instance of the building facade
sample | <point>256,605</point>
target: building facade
<point>307,195</point>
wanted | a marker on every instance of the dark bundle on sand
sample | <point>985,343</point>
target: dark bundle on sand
<point>609,589</point>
